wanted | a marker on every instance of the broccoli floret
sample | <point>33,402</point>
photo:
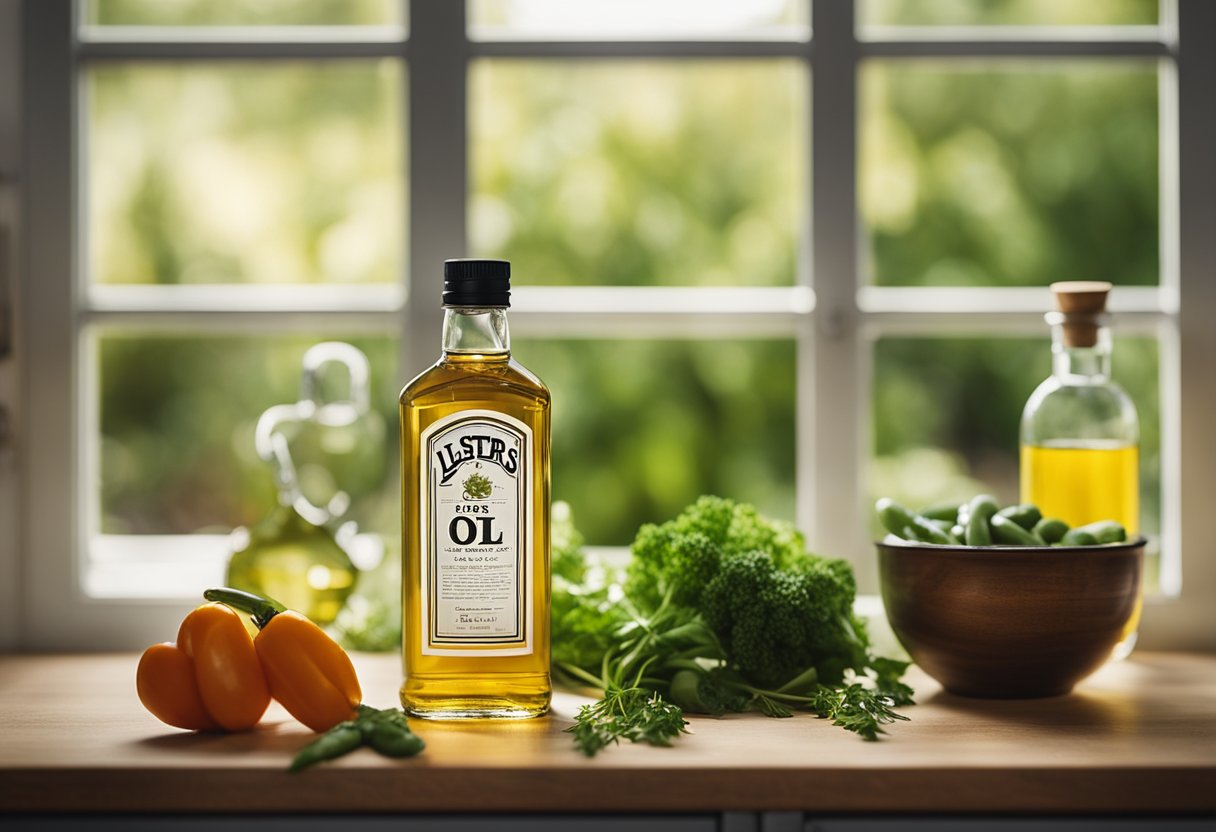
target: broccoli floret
<point>775,623</point>
<point>836,636</point>
<point>751,531</point>
<point>776,609</point>
<point>683,554</point>
<point>666,559</point>
<point>709,515</point>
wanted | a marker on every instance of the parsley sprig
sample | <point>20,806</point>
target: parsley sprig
<point>633,714</point>
<point>630,708</point>
<point>856,708</point>
<point>670,657</point>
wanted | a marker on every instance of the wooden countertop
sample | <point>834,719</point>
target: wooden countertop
<point>1138,736</point>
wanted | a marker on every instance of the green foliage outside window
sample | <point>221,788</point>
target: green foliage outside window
<point>624,173</point>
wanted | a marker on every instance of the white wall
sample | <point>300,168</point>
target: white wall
<point>10,175</point>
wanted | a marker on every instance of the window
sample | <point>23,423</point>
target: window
<point>769,249</point>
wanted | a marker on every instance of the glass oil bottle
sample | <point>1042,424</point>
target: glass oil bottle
<point>475,515</point>
<point>292,555</point>
<point>1080,433</point>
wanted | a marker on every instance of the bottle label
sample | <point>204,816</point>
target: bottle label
<point>476,527</point>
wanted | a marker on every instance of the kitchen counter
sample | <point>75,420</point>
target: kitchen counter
<point>1139,736</point>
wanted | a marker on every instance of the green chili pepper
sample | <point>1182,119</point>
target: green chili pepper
<point>387,731</point>
<point>341,739</point>
<point>393,739</point>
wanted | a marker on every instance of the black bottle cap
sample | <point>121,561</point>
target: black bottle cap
<point>470,282</point>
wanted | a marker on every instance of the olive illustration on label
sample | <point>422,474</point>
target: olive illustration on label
<point>477,487</point>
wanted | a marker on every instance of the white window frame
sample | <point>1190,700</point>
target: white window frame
<point>831,312</point>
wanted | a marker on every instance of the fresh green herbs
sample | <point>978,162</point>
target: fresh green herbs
<point>856,708</point>
<point>634,714</point>
<point>387,731</point>
<point>721,610</point>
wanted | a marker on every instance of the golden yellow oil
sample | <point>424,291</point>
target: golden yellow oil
<point>1082,483</point>
<point>443,687</point>
<point>297,563</point>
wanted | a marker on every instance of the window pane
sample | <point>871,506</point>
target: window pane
<point>615,172</point>
<point>242,12</point>
<point>1009,174</point>
<point>284,172</point>
<point>947,412</point>
<point>1008,12</point>
<point>177,418</point>
<point>642,428</point>
<point>640,19</point>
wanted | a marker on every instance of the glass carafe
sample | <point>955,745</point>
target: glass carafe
<point>1080,433</point>
<point>292,555</point>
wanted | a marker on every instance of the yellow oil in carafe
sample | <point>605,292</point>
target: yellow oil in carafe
<point>1080,483</point>
<point>295,562</point>
<point>1083,483</point>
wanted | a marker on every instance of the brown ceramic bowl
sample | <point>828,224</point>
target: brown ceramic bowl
<point>1006,622</point>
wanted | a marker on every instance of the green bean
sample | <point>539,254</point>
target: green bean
<point>1107,531</point>
<point>1025,515</point>
<point>982,522</point>
<point>924,531</point>
<point>1008,533</point>
<point>1103,531</point>
<point>902,523</point>
<point>1078,537</point>
<point>1051,530</point>
<point>895,518</point>
<point>980,511</point>
<point>941,511</point>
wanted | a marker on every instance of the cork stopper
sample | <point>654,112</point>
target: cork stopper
<point>1083,304</point>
